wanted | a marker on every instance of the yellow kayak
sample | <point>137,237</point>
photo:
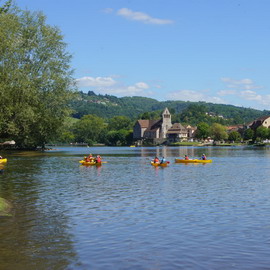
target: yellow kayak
<point>3,160</point>
<point>178,160</point>
<point>160,164</point>
<point>91,163</point>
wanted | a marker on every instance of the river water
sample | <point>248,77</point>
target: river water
<point>128,214</point>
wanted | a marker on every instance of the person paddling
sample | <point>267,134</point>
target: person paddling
<point>163,160</point>
<point>203,157</point>
<point>98,159</point>
<point>156,160</point>
<point>186,157</point>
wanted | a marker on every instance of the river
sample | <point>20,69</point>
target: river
<point>128,214</point>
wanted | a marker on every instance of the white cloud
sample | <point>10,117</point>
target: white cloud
<point>96,82</point>
<point>137,88</point>
<point>250,95</point>
<point>226,92</point>
<point>237,82</point>
<point>140,16</point>
<point>246,84</point>
<point>108,85</point>
<point>190,95</point>
<point>244,89</point>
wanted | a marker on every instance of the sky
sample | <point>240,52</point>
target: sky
<point>192,50</point>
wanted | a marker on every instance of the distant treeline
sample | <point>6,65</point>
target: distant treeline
<point>108,106</point>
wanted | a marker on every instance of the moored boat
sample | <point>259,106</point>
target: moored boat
<point>178,160</point>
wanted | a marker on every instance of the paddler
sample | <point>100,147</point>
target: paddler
<point>203,157</point>
<point>98,159</point>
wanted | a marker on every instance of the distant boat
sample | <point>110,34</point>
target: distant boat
<point>132,146</point>
<point>178,160</point>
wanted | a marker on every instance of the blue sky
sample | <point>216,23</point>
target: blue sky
<point>197,50</point>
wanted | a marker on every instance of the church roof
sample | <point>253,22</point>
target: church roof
<point>144,123</point>
<point>176,128</point>
<point>154,125</point>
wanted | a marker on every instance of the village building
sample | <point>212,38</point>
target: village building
<point>159,131</point>
<point>262,121</point>
<point>238,128</point>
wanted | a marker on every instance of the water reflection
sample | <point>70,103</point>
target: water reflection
<point>127,214</point>
<point>37,234</point>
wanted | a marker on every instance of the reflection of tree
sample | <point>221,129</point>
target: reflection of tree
<point>36,236</point>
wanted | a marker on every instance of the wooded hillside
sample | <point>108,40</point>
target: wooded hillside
<point>107,106</point>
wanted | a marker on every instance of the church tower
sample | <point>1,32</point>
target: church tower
<point>166,123</point>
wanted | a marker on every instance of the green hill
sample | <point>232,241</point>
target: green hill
<point>107,106</point>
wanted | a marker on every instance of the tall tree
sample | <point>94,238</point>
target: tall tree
<point>262,133</point>
<point>218,132</point>
<point>35,78</point>
<point>89,129</point>
<point>119,122</point>
<point>234,136</point>
<point>248,134</point>
<point>5,8</point>
<point>203,131</point>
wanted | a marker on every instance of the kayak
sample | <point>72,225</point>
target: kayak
<point>160,164</point>
<point>91,163</point>
<point>178,160</point>
<point>3,160</point>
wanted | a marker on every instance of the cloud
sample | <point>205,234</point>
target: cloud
<point>244,89</point>
<point>191,95</point>
<point>254,96</point>
<point>108,85</point>
<point>141,17</point>
<point>96,82</point>
<point>246,84</point>
<point>237,82</point>
<point>250,95</point>
<point>130,90</point>
<point>226,92</point>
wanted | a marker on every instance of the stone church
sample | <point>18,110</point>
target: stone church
<point>161,130</point>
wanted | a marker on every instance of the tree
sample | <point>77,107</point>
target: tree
<point>119,122</point>
<point>262,133</point>
<point>218,132</point>
<point>119,137</point>
<point>203,131</point>
<point>35,79</point>
<point>234,136</point>
<point>5,8</point>
<point>89,129</point>
<point>248,134</point>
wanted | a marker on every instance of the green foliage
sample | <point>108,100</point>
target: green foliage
<point>262,133</point>
<point>151,115</point>
<point>192,113</point>
<point>234,136</point>
<point>218,132</point>
<point>203,131</point>
<point>6,7</point>
<point>119,137</point>
<point>119,122</point>
<point>89,129</point>
<point>35,79</point>
<point>248,134</point>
